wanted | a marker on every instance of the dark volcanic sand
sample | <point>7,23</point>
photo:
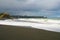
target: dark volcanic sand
<point>21,33</point>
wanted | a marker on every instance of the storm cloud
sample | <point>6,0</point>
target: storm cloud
<point>50,8</point>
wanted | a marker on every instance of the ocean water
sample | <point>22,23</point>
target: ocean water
<point>38,23</point>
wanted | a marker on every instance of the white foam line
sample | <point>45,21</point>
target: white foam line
<point>50,27</point>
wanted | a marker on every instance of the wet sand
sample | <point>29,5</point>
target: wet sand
<point>22,33</point>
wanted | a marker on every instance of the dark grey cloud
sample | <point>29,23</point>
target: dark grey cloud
<point>31,7</point>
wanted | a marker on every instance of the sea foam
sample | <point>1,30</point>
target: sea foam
<point>46,24</point>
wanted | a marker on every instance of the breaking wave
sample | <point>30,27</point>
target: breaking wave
<point>46,24</point>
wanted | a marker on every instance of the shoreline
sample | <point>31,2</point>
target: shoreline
<point>27,27</point>
<point>23,33</point>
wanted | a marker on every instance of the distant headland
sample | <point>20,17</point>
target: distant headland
<point>5,15</point>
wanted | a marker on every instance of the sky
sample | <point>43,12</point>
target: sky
<point>49,8</point>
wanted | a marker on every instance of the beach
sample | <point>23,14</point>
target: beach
<point>24,33</point>
<point>29,29</point>
<point>29,19</point>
